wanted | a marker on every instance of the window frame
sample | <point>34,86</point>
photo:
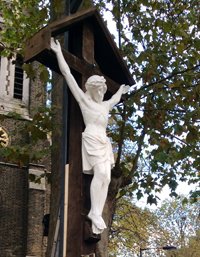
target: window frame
<point>8,103</point>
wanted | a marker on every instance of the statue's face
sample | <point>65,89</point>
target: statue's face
<point>97,92</point>
<point>96,87</point>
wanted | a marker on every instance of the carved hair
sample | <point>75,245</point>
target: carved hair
<point>95,81</point>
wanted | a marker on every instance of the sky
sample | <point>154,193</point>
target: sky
<point>182,189</point>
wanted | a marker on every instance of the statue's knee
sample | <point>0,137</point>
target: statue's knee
<point>104,177</point>
<point>102,174</point>
<point>107,179</point>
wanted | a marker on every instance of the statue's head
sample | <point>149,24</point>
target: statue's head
<point>96,81</point>
<point>96,87</point>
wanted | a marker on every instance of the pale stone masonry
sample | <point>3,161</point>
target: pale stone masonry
<point>7,101</point>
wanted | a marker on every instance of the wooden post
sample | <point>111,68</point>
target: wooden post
<point>78,197</point>
<point>66,198</point>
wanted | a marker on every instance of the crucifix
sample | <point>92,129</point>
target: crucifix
<point>91,52</point>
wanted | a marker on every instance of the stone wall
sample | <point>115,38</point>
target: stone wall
<point>23,205</point>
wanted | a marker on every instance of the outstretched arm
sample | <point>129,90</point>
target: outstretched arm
<point>117,96</point>
<point>65,70</point>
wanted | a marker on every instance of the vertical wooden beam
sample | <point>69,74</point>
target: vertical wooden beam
<point>88,43</point>
<point>81,45</point>
<point>89,246</point>
<point>75,127</point>
<point>75,184</point>
<point>66,198</point>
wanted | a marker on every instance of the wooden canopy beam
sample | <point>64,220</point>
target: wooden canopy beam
<point>42,53</point>
<point>105,50</point>
<point>87,69</point>
<point>60,26</point>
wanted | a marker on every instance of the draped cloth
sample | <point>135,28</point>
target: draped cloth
<point>95,149</point>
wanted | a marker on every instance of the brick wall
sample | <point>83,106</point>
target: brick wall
<point>35,216</point>
<point>13,211</point>
<point>22,207</point>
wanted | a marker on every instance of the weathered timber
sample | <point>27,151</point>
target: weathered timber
<point>38,44</point>
<point>88,43</point>
<point>87,69</point>
<point>60,26</point>
<point>89,240</point>
<point>89,236</point>
<point>74,226</point>
<point>80,65</point>
<point>106,53</point>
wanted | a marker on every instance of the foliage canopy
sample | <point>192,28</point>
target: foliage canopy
<point>156,130</point>
<point>174,223</point>
<point>159,122</point>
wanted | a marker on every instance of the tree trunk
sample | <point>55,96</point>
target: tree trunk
<point>102,246</point>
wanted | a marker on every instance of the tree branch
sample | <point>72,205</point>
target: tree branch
<point>140,143</point>
<point>162,80</point>
<point>162,109</point>
<point>120,143</point>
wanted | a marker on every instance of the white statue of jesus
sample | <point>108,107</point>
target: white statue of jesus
<point>97,155</point>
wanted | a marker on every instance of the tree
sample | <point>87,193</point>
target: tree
<point>17,27</point>
<point>174,223</point>
<point>132,228</point>
<point>155,131</point>
<point>21,19</point>
<point>159,121</point>
<point>180,219</point>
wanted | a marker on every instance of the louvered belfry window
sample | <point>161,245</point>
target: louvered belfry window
<point>18,82</point>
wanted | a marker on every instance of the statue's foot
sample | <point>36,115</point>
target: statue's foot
<point>95,230</point>
<point>98,224</point>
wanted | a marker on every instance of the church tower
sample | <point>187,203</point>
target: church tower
<point>23,203</point>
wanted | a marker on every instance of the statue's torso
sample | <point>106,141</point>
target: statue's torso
<point>95,116</point>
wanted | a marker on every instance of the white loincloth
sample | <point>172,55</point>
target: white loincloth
<point>95,149</point>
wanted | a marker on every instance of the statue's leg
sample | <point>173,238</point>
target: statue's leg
<point>98,193</point>
<point>105,185</point>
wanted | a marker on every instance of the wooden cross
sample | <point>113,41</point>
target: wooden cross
<point>91,51</point>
